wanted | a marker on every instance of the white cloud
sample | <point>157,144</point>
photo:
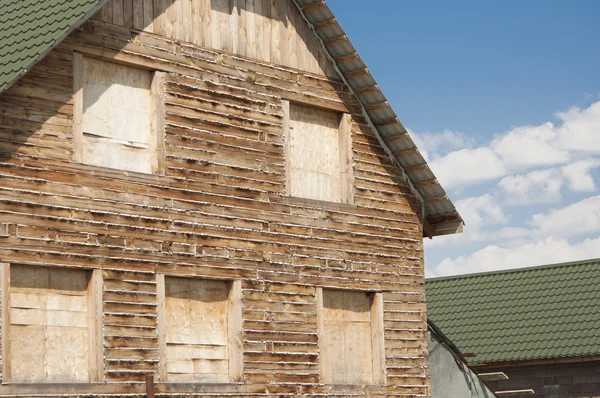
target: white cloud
<point>579,177</point>
<point>434,145</point>
<point>478,212</point>
<point>540,186</point>
<point>523,148</point>
<point>580,130</point>
<point>576,219</point>
<point>529,146</point>
<point>468,166</point>
<point>491,258</point>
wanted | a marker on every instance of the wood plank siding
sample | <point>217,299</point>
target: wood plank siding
<point>266,30</point>
<point>219,210</point>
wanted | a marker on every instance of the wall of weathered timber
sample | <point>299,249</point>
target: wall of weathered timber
<point>267,30</point>
<point>219,212</point>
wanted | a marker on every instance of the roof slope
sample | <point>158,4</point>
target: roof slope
<point>440,212</point>
<point>525,314</point>
<point>30,28</point>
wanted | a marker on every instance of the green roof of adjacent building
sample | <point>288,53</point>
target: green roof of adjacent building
<point>532,313</point>
<point>31,28</point>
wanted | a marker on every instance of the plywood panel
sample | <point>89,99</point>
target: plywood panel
<point>346,339</point>
<point>48,312</point>
<point>314,154</point>
<point>196,330</point>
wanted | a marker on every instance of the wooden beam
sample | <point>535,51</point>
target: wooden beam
<point>435,198</point>
<point>336,39</point>
<point>150,386</point>
<point>418,167</point>
<point>386,122</point>
<point>425,183</point>
<point>406,152</point>
<point>494,376</point>
<point>313,6</point>
<point>393,138</point>
<point>367,89</point>
<point>5,308</point>
<point>346,57</point>
<point>324,23</point>
<point>360,72</point>
<point>515,393</point>
<point>443,217</point>
<point>378,105</point>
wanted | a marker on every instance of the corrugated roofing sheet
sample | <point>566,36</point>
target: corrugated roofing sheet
<point>532,313</point>
<point>439,210</point>
<point>30,28</point>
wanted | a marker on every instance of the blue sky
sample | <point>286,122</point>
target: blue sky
<point>504,100</point>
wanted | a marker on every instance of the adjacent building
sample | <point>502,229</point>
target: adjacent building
<point>536,329</point>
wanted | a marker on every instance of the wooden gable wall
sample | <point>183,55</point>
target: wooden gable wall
<point>219,212</point>
<point>267,30</point>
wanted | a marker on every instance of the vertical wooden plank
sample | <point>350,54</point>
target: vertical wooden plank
<point>250,30</point>
<point>346,165</point>
<point>117,12</point>
<point>267,26</point>
<point>240,26</point>
<point>259,29</point>
<point>275,35</point>
<point>206,24</point>
<point>77,106</point>
<point>286,139</point>
<point>107,12</point>
<point>196,33</point>
<point>234,25</point>
<point>138,14</point>
<point>95,322</point>
<point>186,20</point>
<point>157,123</point>
<point>5,319</point>
<point>128,13</point>
<point>234,331</point>
<point>173,23</point>
<point>292,34</point>
<point>377,339</point>
<point>320,332</point>
<point>162,328</point>
<point>284,33</point>
<point>215,23</point>
<point>161,20</point>
<point>300,43</point>
<point>148,15</point>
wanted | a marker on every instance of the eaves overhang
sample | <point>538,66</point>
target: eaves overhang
<point>440,216</point>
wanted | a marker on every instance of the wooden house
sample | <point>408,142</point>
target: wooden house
<point>214,193</point>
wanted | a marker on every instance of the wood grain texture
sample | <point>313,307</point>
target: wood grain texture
<point>219,212</point>
<point>266,30</point>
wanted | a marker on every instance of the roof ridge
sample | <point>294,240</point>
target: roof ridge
<point>515,270</point>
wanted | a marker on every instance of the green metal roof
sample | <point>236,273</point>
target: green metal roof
<point>532,313</point>
<point>31,28</point>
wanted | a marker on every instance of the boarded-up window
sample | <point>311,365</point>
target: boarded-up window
<point>318,154</point>
<point>52,331</point>
<point>202,330</point>
<point>116,118</point>
<point>351,337</point>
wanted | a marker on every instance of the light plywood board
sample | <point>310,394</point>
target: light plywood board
<point>48,312</point>
<point>313,152</point>
<point>345,341</point>
<point>118,116</point>
<point>196,331</point>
